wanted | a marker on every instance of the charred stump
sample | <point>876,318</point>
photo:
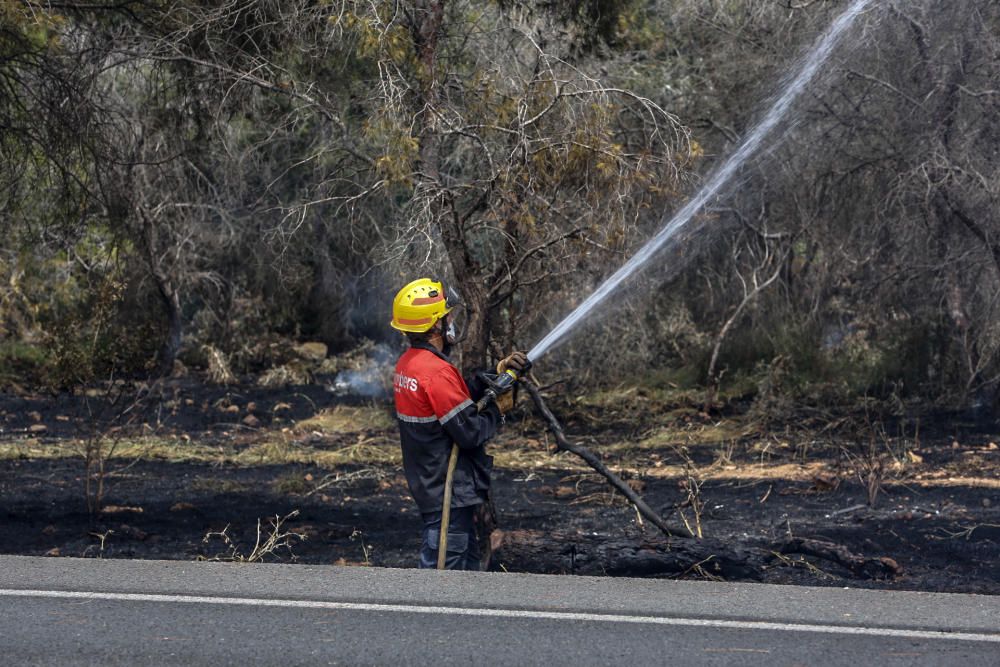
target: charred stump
<point>575,553</point>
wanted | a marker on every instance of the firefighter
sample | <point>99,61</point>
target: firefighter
<point>435,408</point>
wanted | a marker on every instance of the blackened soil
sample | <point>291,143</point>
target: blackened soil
<point>177,406</point>
<point>944,539</point>
<point>940,522</point>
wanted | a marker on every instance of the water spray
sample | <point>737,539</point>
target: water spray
<point>722,176</point>
<point>505,381</point>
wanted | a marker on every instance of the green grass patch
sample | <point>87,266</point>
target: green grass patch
<point>22,361</point>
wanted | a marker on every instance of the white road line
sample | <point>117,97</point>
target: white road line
<point>508,613</point>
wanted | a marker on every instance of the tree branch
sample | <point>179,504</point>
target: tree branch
<point>592,459</point>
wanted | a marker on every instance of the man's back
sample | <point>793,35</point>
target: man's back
<point>435,409</point>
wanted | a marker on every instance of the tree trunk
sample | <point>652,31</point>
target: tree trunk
<point>426,29</point>
<point>175,326</point>
<point>325,316</point>
<point>169,297</point>
<point>477,326</point>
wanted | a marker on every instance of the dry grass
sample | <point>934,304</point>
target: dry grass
<point>691,434</point>
<point>217,485</point>
<point>345,437</point>
<point>511,453</point>
<point>384,452</point>
<point>988,481</point>
<point>792,472</point>
<point>291,483</point>
<point>137,448</point>
<point>658,400</point>
<point>349,419</point>
<point>272,449</point>
<point>171,450</point>
<point>32,448</point>
<point>288,375</point>
<point>367,451</point>
<point>510,456</point>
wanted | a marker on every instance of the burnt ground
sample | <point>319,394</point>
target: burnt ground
<point>194,465</point>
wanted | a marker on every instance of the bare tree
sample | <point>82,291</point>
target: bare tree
<point>520,166</point>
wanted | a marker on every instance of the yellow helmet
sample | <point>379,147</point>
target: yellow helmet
<point>418,306</point>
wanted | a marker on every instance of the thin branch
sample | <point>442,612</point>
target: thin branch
<point>592,460</point>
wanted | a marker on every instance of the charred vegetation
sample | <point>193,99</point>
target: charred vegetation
<point>207,207</point>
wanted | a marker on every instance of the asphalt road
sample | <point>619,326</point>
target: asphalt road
<point>69,611</point>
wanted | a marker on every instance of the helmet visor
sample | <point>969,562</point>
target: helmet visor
<point>455,329</point>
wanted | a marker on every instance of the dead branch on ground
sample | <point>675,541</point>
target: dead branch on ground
<point>594,461</point>
<point>589,554</point>
<point>270,541</point>
<point>867,568</point>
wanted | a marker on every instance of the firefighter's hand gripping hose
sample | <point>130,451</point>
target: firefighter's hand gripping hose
<point>509,371</point>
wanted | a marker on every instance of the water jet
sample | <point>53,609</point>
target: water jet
<point>811,64</point>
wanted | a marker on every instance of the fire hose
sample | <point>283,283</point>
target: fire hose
<point>497,387</point>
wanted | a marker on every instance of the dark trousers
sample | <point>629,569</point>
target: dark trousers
<point>463,546</point>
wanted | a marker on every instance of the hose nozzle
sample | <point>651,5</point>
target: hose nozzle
<point>499,386</point>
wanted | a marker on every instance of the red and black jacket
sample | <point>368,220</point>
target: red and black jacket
<point>435,408</point>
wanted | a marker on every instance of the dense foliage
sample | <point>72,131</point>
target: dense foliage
<point>184,179</point>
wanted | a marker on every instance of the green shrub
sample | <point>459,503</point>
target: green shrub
<point>22,362</point>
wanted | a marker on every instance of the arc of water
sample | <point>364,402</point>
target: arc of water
<point>719,178</point>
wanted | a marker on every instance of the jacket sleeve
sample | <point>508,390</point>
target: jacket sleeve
<point>456,412</point>
<point>477,386</point>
